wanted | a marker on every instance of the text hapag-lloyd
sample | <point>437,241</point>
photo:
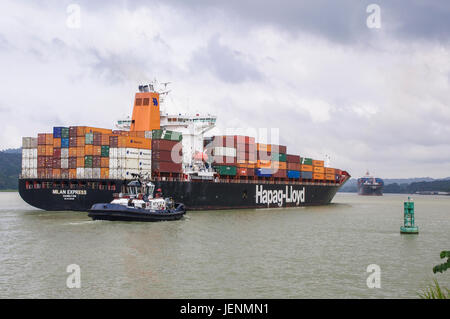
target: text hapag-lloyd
<point>291,195</point>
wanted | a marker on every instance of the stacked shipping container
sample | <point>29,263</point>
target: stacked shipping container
<point>80,152</point>
<point>167,153</point>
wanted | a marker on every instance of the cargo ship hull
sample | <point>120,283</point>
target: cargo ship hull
<point>370,190</point>
<point>195,195</point>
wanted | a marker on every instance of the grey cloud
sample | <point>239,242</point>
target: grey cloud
<point>227,64</point>
<point>341,21</point>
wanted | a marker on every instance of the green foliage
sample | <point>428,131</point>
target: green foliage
<point>439,185</point>
<point>444,266</point>
<point>435,292</point>
<point>10,167</point>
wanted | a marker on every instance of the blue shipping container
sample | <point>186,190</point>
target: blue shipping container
<point>306,175</point>
<point>293,174</point>
<point>57,132</point>
<point>263,172</point>
<point>64,143</point>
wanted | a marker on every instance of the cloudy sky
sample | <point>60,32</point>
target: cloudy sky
<point>370,98</point>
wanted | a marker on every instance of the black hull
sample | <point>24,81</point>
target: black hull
<point>115,212</point>
<point>368,190</point>
<point>194,195</point>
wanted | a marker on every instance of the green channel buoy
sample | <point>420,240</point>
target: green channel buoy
<point>408,219</point>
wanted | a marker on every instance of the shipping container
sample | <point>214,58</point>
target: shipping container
<point>292,158</point>
<point>329,170</point>
<point>64,142</point>
<point>279,173</point>
<point>88,161</point>
<point>89,139</point>
<point>165,145</point>
<point>88,149</point>
<point>329,177</point>
<point>306,161</point>
<point>279,157</point>
<point>306,168</point>
<point>263,172</point>
<point>167,167</point>
<point>227,170</point>
<point>64,133</point>
<point>318,176</point>
<point>72,151</point>
<point>319,169</point>
<point>80,161</point>
<point>293,166</point>
<point>80,151</point>
<point>318,163</point>
<point>57,142</point>
<point>306,175</point>
<point>293,174</point>
<point>138,142</point>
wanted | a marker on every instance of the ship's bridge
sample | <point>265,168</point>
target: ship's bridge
<point>193,127</point>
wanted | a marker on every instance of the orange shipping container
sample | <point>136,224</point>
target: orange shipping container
<point>329,170</point>
<point>72,151</point>
<point>104,172</point>
<point>329,177</point>
<point>318,176</point>
<point>320,170</point>
<point>49,150</point>
<point>306,168</point>
<point>48,139</point>
<point>56,142</point>
<point>104,162</point>
<point>134,142</point>
<point>72,173</point>
<point>279,165</point>
<point>88,149</point>
<point>97,130</point>
<point>263,147</point>
<point>56,173</point>
<point>41,150</point>
<point>81,141</point>
<point>318,163</point>
<point>105,139</point>
<point>96,150</point>
<point>80,151</point>
<point>80,161</point>
<point>81,130</point>
<point>264,164</point>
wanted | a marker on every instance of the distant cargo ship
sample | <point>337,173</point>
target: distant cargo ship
<point>369,185</point>
<point>75,167</point>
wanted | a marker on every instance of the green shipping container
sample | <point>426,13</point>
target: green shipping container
<point>105,151</point>
<point>64,132</point>
<point>226,170</point>
<point>89,138</point>
<point>88,161</point>
<point>166,135</point>
<point>306,161</point>
<point>278,157</point>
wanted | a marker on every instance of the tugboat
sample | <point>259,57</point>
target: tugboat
<point>138,205</point>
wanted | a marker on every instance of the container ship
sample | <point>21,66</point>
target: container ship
<point>74,167</point>
<point>369,185</point>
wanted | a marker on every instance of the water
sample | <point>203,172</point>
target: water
<point>314,252</point>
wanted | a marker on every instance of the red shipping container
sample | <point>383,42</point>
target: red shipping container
<point>41,161</point>
<point>225,160</point>
<point>113,141</point>
<point>41,139</point>
<point>292,158</point>
<point>96,161</point>
<point>164,145</point>
<point>163,156</point>
<point>97,138</point>
<point>73,141</point>
<point>72,162</point>
<point>41,172</point>
<point>279,173</point>
<point>56,152</point>
<point>65,173</point>
<point>167,167</point>
<point>56,162</point>
<point>73,131</point>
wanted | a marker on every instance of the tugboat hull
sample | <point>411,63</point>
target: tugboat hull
<point>116,212</point>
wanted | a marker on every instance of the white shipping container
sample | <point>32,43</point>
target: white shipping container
<point>33,162</point>
<point>88,173</point>
<point>64,163</point>
<point>34,152</point>
<point>33,173</point>
<point>64,153</point>
<point>80,172</point>
<point>224,151</point>
<point>113,152</point>
<point>128,173</point>
<point>96,173</point>
<point>132,153</point>
<point>145,153</point>
<point>27,142</point>
<point>131,163</point>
